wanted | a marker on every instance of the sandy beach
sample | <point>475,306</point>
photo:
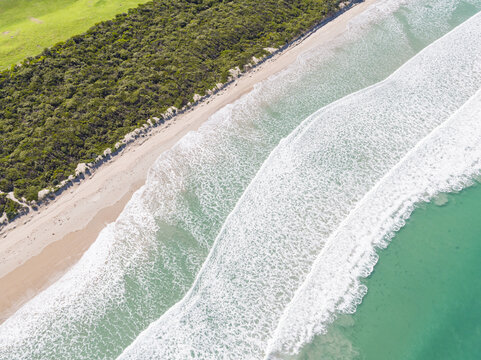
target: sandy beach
<point>37,249</point>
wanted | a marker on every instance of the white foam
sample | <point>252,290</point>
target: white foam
<point>148,258</point>
<point>446,160</point>
<point>302,193</point>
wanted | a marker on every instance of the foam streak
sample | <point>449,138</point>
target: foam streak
<point>444,161</point>
<point>307,186</point>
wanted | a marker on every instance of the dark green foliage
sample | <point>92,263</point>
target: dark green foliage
<point>77,98</point>
<point>8,206</point>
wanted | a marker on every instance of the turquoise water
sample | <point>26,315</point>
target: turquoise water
<point>291,252</point>
<point>258,191</point>
<point>423,297</point>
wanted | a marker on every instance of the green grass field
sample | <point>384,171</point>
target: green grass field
<point>29,26</point>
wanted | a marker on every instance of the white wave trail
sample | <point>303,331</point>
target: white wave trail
<point>301,194</point>
<point>444,161</point>
<point>147,260</point>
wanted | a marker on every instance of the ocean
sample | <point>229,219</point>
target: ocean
<point>257,235</point>
<point>423,295</point>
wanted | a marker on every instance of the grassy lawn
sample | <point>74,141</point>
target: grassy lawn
<point>29,26</point>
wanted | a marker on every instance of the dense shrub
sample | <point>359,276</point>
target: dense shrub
<point>77,98</point>
<point>8,206</point>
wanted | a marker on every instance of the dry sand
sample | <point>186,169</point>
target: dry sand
<point>37,249</point>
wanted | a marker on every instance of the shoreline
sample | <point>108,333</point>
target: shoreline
<point>38,248</point>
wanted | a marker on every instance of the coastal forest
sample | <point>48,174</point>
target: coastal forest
<point>80,97</point>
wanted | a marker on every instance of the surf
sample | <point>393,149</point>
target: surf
<point>309,184</point>
<point>148,259</point>
<point>447,160</point>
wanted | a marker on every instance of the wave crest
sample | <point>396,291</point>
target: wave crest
<point>308,185</point>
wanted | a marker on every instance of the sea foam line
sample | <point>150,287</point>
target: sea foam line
<point>308,185</point>
<point>446,160</point>
<point>54,324</point>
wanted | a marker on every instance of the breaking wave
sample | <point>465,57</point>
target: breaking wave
<point>147,260</point>
<point>243,303</point>
<point>445,161</point>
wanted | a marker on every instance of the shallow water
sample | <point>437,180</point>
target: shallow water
<point>423,297</point>
<point>145,262</point>
<point>290,253</point>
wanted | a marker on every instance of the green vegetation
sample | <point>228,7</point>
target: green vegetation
<point>29,26</point>
<point>8,206</point>
<point>78,98</point>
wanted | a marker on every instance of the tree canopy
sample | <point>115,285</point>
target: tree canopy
<point>81,96</point>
